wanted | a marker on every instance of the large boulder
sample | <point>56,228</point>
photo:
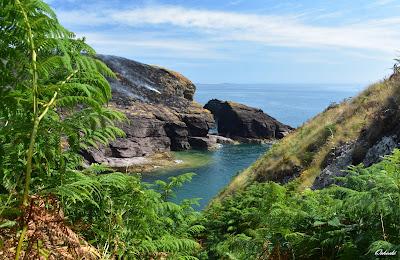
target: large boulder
<point>241,122</point>
<point>197,125</point>
<point>203,143</point>
<point>161,113</point>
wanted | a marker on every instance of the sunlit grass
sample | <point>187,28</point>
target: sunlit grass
<point>309,145</point>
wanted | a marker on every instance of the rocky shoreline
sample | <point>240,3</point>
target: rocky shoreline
<point>163,117</point>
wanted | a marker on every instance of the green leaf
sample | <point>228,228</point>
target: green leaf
<point>8,224</point>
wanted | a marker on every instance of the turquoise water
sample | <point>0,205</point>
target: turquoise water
<point>292,104</point>
<point>224,163</point>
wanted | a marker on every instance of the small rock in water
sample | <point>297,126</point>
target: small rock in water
<point>178,161</point>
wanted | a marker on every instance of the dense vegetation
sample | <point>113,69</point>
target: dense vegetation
<point>271,221</point>
<point>53,104</point>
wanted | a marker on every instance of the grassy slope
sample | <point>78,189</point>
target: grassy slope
<point>308,146</point>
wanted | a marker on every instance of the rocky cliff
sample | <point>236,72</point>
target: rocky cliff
<point>162,115</point>
<point>361,129</point>
<point>379,138</point>
<point>245,123</point>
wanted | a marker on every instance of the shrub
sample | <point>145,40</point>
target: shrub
<point>351,221</point>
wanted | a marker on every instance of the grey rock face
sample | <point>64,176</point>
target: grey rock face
<point>203,143</point>
<point>384,147</point>
<point>178,133</point>
<point>376,140</point>
<point>197,125</point>
<point>160,110</point>
<point>144,127</point>
<point>341,158</point>
<point>137,147</point>
<point>149,83</point>
<point>94,155</point>
<point>338,161</point>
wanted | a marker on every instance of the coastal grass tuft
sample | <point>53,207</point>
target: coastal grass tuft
<point>306,148</point>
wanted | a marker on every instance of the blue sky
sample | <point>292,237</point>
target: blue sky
<point>245,41</point>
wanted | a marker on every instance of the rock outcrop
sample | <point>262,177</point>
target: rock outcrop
<point>335,166</point>
<point>162,115</point>
<point>203,143</point>
<point>244,123</point>
<point>376,140</point>
<point>384,147</point>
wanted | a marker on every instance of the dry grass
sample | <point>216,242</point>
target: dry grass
<point>307,147</point>
<point>47,237</point>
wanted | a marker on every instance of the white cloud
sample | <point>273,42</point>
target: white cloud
<point>379,35</point>
<point>110,43</point>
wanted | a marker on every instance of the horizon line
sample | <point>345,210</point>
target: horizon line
<point>285,83</point>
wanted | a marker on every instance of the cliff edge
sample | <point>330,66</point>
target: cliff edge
<point>162,116</point>
<point>362,129</point>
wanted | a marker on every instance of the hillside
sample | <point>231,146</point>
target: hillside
<point>359,130</point>
<point>269,211</point>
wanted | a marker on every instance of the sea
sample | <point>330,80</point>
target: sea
<point>292,104</point>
